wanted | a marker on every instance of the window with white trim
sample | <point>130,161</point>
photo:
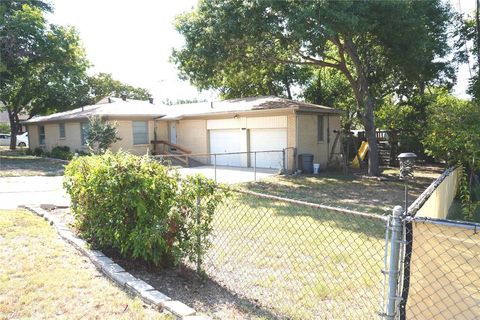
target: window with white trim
<point>41,135</point>
<point>84,128</point>
<point>140,132</point>
<point>61,130</point>
<point>320,128</point>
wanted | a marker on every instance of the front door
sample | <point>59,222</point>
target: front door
<point>173,132</point>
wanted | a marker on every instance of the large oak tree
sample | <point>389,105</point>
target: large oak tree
<point>42,66</point>
<point>366,41</point>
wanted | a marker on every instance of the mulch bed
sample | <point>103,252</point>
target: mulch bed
<point>183,284</point>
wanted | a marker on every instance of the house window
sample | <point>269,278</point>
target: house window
<point>140,132</point>
<point>61,129</point>
<point>320,127</point>
<point>84,128</point>
<point>41,135</point>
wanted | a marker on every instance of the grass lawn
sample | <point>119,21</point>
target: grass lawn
<point>351,191</point>
<point>17,163</point>
<point>41,277</point>
<point>299,262</point>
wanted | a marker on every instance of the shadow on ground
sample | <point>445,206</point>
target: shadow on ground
<point>203,294</point>
<point>14,163</point>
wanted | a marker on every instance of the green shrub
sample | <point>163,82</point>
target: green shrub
<point>60,152</point>
<point>81,153</point>
<point>4,128</point>
<point>139,207</point>
<point>38,152</point>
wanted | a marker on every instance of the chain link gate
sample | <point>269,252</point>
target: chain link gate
<point>297,260</point>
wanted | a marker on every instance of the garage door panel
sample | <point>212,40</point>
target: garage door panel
<point>266,140</point>
<point>225,141</point>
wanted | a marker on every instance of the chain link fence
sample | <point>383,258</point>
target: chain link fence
<point>251,165</point>
<point>443,271</point>
<point>298,260</point>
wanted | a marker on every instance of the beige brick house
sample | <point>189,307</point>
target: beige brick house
<point>237,125</point>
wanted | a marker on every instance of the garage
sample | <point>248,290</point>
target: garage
<point>224,141</point>
<point>268,139</point>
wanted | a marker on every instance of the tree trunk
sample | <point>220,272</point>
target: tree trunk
<point>370,134</point>
<point>287,87</point>
<point>364,101</point>
<point>13,128</point>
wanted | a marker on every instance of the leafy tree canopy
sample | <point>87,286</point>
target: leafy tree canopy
<point>102,85</point>
<point>453,131</point>
<point>366,41</point>
<point>43,66</point>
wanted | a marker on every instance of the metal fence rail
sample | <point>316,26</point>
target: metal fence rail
<point>298,260</point>
<point>444,270</point>
<point>256,163</point>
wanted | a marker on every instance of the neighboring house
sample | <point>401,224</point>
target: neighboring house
<point>237,125</point>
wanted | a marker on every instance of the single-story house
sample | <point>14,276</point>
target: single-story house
<point>236,125</point>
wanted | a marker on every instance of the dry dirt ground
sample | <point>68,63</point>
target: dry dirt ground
<point>353,191</point>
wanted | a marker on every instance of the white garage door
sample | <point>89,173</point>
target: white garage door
<point>222,141</point>
<point>264,140</point>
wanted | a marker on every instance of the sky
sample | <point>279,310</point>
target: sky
<point>133,40</point>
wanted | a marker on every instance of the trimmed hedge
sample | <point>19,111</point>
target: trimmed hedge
<point>140,208</point>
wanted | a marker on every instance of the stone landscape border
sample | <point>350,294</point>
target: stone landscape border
<point>116,273</point>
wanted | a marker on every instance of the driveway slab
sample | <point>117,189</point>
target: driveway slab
<point>229,175</point>
<point>15,191</point>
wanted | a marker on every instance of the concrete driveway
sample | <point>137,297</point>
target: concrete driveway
<point>229,175</point>
<point>15,191</point>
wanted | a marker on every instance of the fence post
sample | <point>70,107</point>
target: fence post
<point>393,272</point>
<point>215,165</point>
<point>284,165</point>
<point>199,239</point>
<point>255,166</point>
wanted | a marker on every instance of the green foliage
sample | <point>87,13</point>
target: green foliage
<point>372,44</point>
<point>469,195</point>
<point>43,66</point>
<point>453,131</point>
<point>139,207</point>
<point>61,152</point>
<point>470,34</point>
<point>101,135</point>
<point>103,85</point>
<point>329,87</point>
<point>38,152</point>
<point>4,128</point>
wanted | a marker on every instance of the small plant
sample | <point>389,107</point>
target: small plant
<point>468,196</point>
<point>140,208</point>
<point>4,128</point>
<point>38,152</point>
<point>101,135</point>
<point>60,152</point>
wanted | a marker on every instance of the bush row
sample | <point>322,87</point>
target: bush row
<point>58,152</point>
<point>141,208</point>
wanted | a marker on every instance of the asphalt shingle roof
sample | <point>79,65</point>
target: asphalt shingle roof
<point>118,108</point>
